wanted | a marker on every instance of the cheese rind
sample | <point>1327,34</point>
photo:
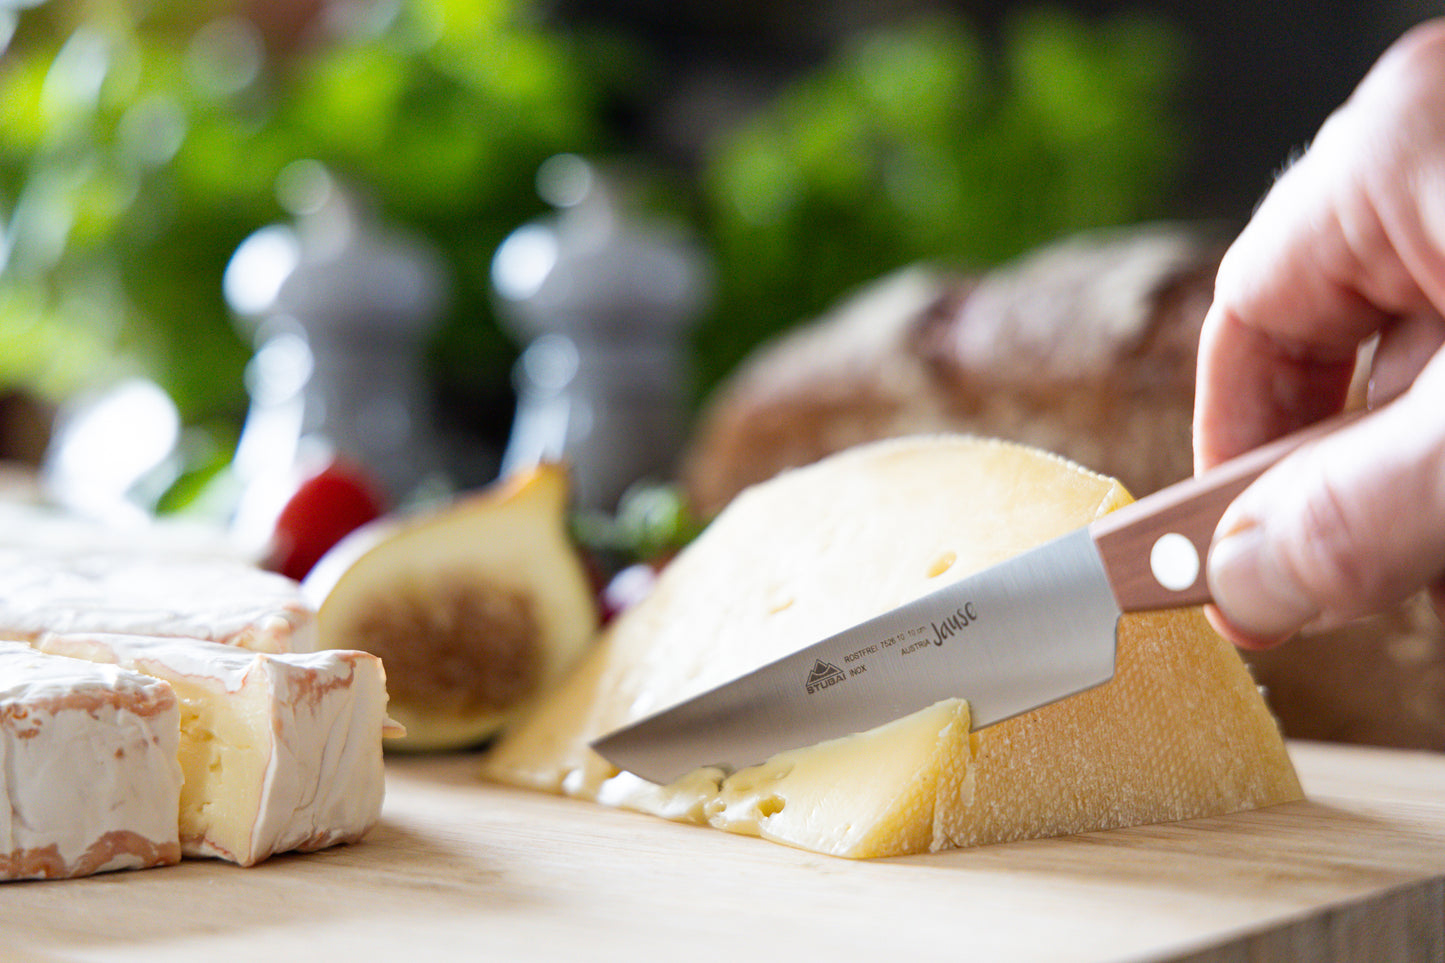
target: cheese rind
<point>280,752</point>
<point>87,765</point>
<point>217,599</point>
<point>1181,731</point>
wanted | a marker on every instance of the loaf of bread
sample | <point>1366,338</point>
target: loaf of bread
<point>1086,348</point>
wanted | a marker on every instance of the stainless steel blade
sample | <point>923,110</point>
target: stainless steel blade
<point>1021,634</point>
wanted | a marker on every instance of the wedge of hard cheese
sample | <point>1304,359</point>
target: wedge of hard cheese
<point>280,752</point>
<point>87,767</point>
<point>1181,731</point>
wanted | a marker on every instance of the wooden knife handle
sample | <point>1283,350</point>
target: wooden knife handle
<point>1154,550</point>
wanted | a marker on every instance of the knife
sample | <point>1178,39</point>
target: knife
<point>1021,634</point>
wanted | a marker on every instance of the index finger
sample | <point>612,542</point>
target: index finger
<point>1346,240</point>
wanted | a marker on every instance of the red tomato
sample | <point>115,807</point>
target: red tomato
<point>325,508</point>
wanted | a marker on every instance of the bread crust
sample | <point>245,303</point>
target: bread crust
<point>1085,348</point>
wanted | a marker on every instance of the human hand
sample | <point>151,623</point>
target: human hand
<point>1349,244</point>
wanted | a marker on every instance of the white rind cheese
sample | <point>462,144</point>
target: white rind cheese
<point>280,752</point>
<point>217,599</point>
<point>88,766</point>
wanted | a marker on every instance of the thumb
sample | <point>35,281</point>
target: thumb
<point>1341,528</point>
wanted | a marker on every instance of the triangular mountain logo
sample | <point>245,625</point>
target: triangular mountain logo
<point>823,675</point>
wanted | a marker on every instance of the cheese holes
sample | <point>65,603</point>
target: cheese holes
<point>779,599</point>
<point>771,806</point>
<point>942,563</point>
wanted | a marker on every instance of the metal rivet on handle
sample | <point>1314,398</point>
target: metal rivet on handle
<point>1174,562</point>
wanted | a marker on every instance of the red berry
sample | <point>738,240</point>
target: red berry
<point>325,508</point>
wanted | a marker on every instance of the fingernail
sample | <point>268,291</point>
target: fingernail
<point>1253,590</point>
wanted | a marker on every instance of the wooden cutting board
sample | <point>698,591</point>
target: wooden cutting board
<point>460,870</point>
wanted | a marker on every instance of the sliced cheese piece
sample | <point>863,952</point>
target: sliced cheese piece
<point>1180,732</point>
<point>217,599</point>
<point>87,766</point>
<point>280,752</point>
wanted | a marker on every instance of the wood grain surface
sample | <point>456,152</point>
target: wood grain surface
<point>461,870</point>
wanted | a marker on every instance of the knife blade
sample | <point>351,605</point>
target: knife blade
<point>1022,634</point>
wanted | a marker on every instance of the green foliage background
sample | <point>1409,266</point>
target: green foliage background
<point>139,145</point>
<point>922,144</point>
<point>140,142</point>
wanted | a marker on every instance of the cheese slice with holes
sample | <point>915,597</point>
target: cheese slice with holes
<point>87,767</point>
<point>280,752</point>
<point>1181,731</point>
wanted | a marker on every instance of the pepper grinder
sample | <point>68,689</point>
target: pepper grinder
<point>603,299</point>
<point>340,309</point>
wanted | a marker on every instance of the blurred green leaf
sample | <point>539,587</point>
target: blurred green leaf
<point>914,144</point>
<point>140,144</point>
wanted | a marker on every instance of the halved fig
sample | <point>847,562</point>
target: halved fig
<point>473,608</point>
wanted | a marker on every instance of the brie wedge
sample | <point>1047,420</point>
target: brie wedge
<point>218,599</point>
<point>280,752</point>
<point>88,767</point>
